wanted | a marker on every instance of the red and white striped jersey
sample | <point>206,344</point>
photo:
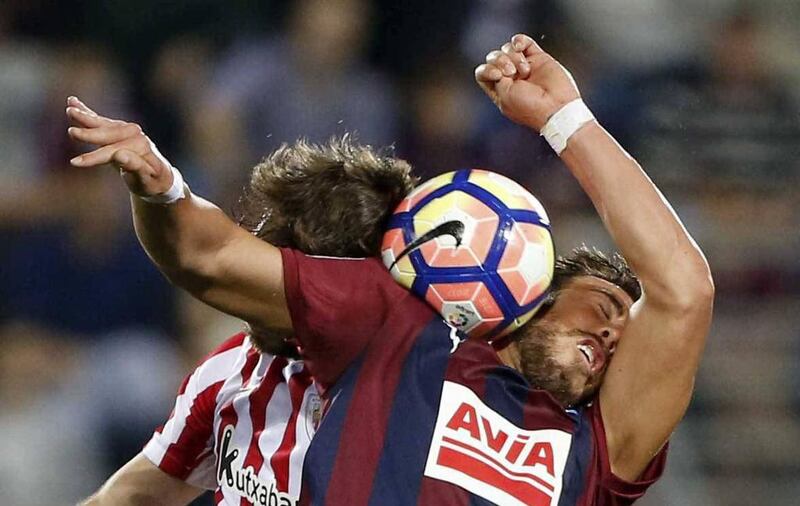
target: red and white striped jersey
<point>241,425</point>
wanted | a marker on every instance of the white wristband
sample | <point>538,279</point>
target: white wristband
<point>564,123</point>
<point>175,192</point>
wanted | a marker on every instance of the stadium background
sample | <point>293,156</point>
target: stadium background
<point>94,342</point>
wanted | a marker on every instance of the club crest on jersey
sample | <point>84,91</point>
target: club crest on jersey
<point>313,413</point>
<point>245,482</point>
<point>475,448</point>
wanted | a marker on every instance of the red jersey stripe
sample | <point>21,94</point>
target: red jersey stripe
<point>436,491</point>
<point>249,399</point>
<point>369,412</point>
<point>228,414</point>
<point>279,462</point>
<point>258,413</point>
<point>193,438</point>
<point>195,410</point>
<point>229,344</point>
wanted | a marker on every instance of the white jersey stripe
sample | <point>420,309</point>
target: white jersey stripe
<point>216,369</point>
<point>215,413</point>
<point>233,384</point>
<point>243,429</point>
<point>279,409</point>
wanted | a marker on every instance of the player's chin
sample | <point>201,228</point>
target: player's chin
<point>580,386</point>
<point>589,388</point>
<point>574,389</point>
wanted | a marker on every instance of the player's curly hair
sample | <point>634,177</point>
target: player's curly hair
<point>585,261</point>
<point>330,199</point>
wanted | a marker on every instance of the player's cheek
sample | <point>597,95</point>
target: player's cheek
<point>572,368</point>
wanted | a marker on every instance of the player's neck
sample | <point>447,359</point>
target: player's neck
<point>510,356</point>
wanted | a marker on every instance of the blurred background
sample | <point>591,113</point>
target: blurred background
<point>94,341</point>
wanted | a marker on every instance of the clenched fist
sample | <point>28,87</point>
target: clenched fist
<point>146,172</point>
<point>527,84</point>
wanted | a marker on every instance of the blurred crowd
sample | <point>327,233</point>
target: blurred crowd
<point>94,341</point>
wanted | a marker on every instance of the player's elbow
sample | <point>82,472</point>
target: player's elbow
<point>675,275</point>
<point>705,289</point>
<point>698,292</point>
<point>688,290</point>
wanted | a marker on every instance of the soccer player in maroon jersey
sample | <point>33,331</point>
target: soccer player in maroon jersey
<point>416,414</point>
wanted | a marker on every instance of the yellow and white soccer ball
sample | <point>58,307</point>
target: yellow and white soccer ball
<point>477,246</point>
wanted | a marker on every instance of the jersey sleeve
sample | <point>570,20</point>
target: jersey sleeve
<point>336,305</point>
<point>613,490</point>
<point>184,446</point>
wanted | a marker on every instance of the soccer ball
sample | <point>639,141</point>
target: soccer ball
<point>475,245</point>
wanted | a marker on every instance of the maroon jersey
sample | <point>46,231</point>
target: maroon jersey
<point>416,414</point>
<point>241,426</point>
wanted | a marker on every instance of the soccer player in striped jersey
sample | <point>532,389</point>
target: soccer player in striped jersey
<point>241,426</point>
<point>244,418</point>
<point>414,413</point>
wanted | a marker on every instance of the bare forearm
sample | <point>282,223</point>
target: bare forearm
<point>182,238</point>
<point>204,252</point>
<point>191,240</point>
<point>636,214</point>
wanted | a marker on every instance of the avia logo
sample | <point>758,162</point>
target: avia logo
<point>474,447</point>
<point>245,482</point>
<point>453,228</point>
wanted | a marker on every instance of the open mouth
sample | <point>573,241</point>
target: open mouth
<point>593,353</point>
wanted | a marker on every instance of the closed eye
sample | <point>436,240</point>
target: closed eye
<point>613,300</point>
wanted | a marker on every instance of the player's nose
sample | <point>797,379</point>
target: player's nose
<point>610,335</point>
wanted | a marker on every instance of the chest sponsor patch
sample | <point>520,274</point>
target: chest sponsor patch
<point>244,481</point>
<point>477,449</point>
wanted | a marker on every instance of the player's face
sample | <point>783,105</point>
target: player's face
<point>567,351</point>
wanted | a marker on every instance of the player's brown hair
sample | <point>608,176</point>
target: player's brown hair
<point>585,261</point>
<point>330,199</point>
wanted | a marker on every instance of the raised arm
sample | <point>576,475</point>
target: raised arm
<point>650,378</point>
<point>191,240</point>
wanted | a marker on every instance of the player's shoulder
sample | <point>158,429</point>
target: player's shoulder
<point>238,341</point>
<point>226,357</point>
<point>352,275</point>
<point>344,263</point>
